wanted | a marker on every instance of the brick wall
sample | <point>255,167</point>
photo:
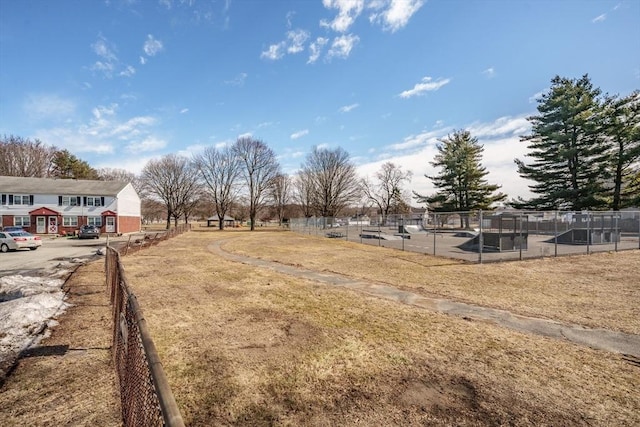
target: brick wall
<point>129,224</point>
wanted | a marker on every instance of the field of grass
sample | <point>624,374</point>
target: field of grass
<point>249,346</point>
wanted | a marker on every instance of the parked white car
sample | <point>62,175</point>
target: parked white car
<point>7,243</point>
<point>20,239</point>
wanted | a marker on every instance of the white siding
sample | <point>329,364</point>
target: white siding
<point>128,202</point>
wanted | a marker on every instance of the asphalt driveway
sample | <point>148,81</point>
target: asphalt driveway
<point>51,253</point>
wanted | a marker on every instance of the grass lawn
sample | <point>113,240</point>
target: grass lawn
<point>249,346</point>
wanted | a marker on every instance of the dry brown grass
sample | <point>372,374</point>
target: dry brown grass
<point>600,290</point>
<point>247,346</point>
<point>76,387</point>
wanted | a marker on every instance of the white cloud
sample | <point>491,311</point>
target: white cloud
<point>108,58</point>
<point>415,141</point>
<point>132,128</point>
<point>342,46</point>
<point>297,39</point>
<point>108,62</point>
<point>104,131</point>
<point>502,126</point>
<point>299,134</point>
<point>48,106</point>
<point>148,144</point>
<point>348,12</point>
<point>426,85</point>
<point>534,98</point>
<point>394,14</point>
<point>499,138</point>
<point>105,68</point>
<point>143,60</point>
<point>290,16</point>
<point>128,71</point>
<point>274,52</point>
<point>237,80</point>
<point>245,135</point>
<point>102,110</point>
<point>184,111</point>
<point>348,108</point>
<point>133,164</point>
<point>152,46</point>
<point>316,49</point>
<point>104,49</point>
<point>75,140</point>
<point>599,18</point>
<point>294,43</point>
<point>490,72</point>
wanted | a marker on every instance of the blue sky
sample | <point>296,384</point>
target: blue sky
<point>119,82</point>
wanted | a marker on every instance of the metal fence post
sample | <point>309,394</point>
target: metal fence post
<point>588,231</point>
<point>403,230</point>
<point>480,240</point>
<point>435,222</point>
<point>520,236</point>
<point>555,235</point>
<point>614,234</point>
<point>634,217</point>
<point>346,233</point>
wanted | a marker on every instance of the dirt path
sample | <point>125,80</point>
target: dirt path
<point>602,339</point>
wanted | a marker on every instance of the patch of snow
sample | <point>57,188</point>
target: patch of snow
<point>28,306</point>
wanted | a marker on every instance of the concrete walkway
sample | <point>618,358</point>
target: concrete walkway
<point>602,339</point>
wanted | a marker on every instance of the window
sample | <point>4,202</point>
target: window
<point>22,221</point>
<point>69,200</point>
<point>94,220</point>
<point>21,199</point>
<point>94,201</point>
<point>69,221</point>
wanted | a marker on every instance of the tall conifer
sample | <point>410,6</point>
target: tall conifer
<point>568,148</point>
<point>461,181</point>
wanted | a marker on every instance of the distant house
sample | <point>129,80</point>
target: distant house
<point>61,206</point>
<point>214,221</point>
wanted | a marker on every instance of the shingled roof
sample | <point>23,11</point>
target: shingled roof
<point>20,185</point>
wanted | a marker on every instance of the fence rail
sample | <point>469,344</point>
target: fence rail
<point>145,395</point>
<point>486,236</point>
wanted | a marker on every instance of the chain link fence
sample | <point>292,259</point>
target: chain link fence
<point>145,395</point>
<point>486,236</point>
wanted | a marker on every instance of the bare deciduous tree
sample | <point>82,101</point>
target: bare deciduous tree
<point>24,157</point>
<point>122,175</point>
<point>174,180</point>
<point>280,192</point>
<point>333,180</point>
<point>386,189</point>
<point>303,193</point>
<point>220,170</point>
<point>259,166</point>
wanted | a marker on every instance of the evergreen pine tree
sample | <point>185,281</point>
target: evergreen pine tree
<point>568,146</point>
<point>622,126</point>
<point>461,182</point>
